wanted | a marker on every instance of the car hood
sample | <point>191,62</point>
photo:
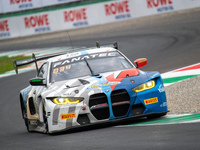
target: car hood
<point>84,86</point>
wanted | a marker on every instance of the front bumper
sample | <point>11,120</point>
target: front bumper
<point>109,122</point>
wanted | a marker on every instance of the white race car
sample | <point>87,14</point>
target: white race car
<point>89,86</point>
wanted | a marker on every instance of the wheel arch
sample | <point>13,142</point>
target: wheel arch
<point>22,104</point>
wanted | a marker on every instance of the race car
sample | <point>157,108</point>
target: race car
<point>89,86</point>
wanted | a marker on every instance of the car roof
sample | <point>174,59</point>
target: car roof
<point>81,52</point>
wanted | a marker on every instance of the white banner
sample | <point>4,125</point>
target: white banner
<point>55,2</point>
<point>88,15</point>
<point>1,8</point>
<point>4,28</point>
<point>19,5</point>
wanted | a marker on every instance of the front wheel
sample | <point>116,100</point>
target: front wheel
<point>45,121</point>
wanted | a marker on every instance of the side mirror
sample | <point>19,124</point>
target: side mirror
<point>140,62</point>
<point>38,81</point>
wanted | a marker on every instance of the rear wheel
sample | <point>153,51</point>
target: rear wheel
<point>24,113</point>
<point>25,119</point>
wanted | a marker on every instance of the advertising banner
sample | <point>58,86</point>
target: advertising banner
<point>7,6</point>
<point>55,2</point>
<point>116,11</point>
<point>74,18</point>
<point>159,6</point>
<point>19,5</point>
<point>84,16</point>
<point>35,24</point>
<point>4,29</point>
<point>1,8</point>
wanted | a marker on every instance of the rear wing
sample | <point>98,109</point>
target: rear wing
<point>114,45</point>
<point>23,62</point>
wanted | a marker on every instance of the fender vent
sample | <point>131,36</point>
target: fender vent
<point>138,109</point>
<point>83,119</point>
<point>31,106</point>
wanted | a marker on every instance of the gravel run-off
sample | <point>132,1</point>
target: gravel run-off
<point>184,97</point>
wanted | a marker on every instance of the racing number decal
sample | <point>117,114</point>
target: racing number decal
<point>61,69</point>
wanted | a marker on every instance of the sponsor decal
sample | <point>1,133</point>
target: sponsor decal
<point>4,29</point>
<point>22,3</point>
<point>107,84</point>
<point>67,93</point>
<point>164,104</point>
<point>39,22</point>
<point>34,122</point>
<point>77,16</point>
<point>161,88</point>
<point>161,5</point>
<point>118,9</point>
<point>68,116</point>
<point>80,58</point>
<point>151,101</point>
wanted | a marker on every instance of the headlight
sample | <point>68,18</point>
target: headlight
<point>145,86</point>
<point>73,100</point>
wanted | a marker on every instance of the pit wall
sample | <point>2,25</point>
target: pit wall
<point>87,15</point>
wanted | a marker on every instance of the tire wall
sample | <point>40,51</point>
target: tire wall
<point>87,15</point>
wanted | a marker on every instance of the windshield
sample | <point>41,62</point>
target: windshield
<point>77,67</point>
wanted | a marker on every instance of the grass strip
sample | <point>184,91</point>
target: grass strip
<point>6,63</point>
<point>171,120</point>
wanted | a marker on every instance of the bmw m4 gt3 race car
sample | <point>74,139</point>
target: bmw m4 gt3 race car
<point>89,86</point>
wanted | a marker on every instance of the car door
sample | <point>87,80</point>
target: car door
<point>43,72</point>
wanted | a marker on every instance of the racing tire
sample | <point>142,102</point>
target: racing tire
<point>25,119</point>
<point>45,121</point>
<point>24,115</point>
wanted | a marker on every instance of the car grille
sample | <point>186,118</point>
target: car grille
<point>98,104</point>
<point>120,102</point>
<point>99,107</point>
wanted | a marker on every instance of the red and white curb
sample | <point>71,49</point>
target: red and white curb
<point>181,74</point>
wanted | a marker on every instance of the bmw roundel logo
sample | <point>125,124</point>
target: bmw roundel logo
<point>77,91</point>
<point>132,81</point>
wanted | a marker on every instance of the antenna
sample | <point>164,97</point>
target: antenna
<point>70,40</point>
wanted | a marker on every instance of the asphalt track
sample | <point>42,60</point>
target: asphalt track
<point>168,41</point>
